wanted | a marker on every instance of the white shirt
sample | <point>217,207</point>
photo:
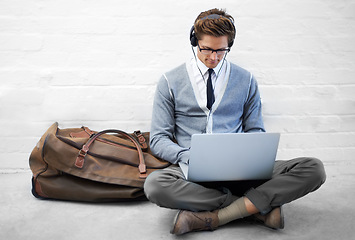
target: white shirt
<point>198,74</point>
<point>218,77</point>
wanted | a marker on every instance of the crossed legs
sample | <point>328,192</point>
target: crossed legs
<point>291,180</point>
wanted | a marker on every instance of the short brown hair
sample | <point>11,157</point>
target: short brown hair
<point>223,26</point>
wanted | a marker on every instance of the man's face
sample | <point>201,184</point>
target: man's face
<point>213,43</point>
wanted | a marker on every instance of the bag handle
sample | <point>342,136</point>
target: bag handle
<point>87,133</point>
<point>79,163</point>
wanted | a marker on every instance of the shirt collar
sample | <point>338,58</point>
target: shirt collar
<point>204,68</point>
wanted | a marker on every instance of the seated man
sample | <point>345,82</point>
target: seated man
<point>208,94</point>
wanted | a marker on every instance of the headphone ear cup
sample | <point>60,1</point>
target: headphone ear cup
<point>193,39</point>
<point>231,44</point>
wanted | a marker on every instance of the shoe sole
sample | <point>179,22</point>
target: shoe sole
<point>282,224</point>
<point>172,231</point>
<point>262,223</point>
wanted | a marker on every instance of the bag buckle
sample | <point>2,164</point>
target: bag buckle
<point>79,162</point>
<point>141,139</point>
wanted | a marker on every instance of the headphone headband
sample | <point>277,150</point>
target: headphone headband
<point>193,39</point>
<point>212,16</point>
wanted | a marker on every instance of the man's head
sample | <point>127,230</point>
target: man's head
<point>213,33</point>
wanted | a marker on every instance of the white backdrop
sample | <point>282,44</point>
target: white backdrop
<point>96,63</point>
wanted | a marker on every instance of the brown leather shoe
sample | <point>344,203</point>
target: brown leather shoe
<point>186,221</point>
<point>274,219</point>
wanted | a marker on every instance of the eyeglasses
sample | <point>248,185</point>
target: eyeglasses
<point>207,51</point>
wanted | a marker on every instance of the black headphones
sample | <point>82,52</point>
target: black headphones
<point>193,39</point>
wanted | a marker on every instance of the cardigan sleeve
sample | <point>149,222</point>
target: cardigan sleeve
<point>162,141</point>
<point>252,114</point>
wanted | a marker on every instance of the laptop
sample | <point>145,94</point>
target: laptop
<point>231,157</point>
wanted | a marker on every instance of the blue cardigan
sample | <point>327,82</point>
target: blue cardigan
<point>177,114</point>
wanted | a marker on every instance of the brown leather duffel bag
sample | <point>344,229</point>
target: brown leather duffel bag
<point>82,165</point>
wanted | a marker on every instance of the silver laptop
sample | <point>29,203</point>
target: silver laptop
<point>231,157</point>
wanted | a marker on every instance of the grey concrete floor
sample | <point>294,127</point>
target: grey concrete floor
<point>328,213</point>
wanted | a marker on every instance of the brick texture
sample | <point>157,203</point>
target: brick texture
<point>96,63</point>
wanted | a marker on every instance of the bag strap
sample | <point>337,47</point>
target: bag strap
<point>79,163</point>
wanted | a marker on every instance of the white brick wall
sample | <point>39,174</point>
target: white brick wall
<point>96,63</point>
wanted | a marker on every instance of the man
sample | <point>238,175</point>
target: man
<point>208,94</point>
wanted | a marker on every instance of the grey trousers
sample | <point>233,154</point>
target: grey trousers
<point>291,180</point>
